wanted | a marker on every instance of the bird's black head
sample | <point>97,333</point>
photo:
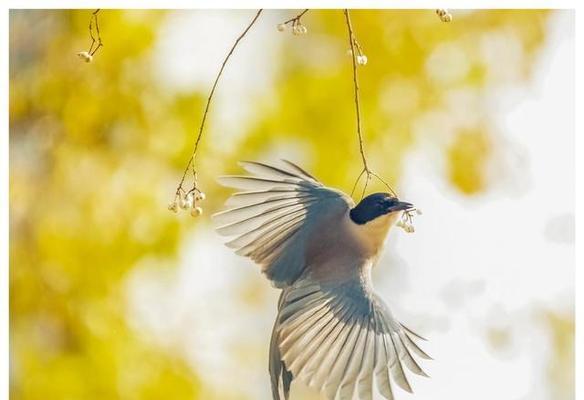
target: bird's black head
<point>376,205</point>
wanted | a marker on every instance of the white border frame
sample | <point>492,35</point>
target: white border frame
<point>280,4</point>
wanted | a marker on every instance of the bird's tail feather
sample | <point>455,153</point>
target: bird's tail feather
<point>278,370</point>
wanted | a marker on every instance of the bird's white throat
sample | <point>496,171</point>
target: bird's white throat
<point>372,234</point>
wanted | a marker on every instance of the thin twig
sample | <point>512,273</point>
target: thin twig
<point>209,98</point>
<point>295,23</point>
<point>366,170</point>
<point>93,19</point>
<point>356,86</point>
<point>296,18</point>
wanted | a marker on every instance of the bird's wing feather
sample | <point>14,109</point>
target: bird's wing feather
<point>340,337</point>
<point>272,221</point>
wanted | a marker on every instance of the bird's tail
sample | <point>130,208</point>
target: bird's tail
<point>280,376</point>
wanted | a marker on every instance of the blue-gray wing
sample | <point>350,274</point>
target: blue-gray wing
<point>339,338</point>
<point>275,216</point>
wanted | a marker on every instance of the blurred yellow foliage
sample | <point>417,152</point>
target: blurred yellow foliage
<point>467,161</point>
<point>561,364</point>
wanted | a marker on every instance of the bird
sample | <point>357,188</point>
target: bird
<point>332,331</point>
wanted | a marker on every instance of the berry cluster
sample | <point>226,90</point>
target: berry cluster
<point>188,201</point>
<point>406,221</point>
<point>85,56</point>
<point>296,25</point>
<point>444,15</point>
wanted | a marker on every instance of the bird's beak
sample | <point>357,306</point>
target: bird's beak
<point>401,206</point>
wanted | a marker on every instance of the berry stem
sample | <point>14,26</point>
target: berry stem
<point>366,171</point>
<point>296,19</point>
<point>192,159</point>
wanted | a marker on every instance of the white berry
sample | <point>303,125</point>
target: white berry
<point>362,59</point>
<point>446,18</point>
<point>84,55</point>
<point>184,203</point>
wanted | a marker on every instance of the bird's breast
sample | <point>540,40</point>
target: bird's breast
<point>339,251</point>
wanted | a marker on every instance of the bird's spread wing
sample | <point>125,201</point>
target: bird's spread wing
<point>272,219</point>
<point>340,338</point>
<point>332,332</point>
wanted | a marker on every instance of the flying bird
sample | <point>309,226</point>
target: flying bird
<point>332,332</point>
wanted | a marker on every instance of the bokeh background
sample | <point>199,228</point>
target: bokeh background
<point>112,296</point>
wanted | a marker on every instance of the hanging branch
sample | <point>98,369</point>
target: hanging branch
<point>188,199</point>
<point>357,57</point>
<point>297,27</point>
<point>296,18</point>
<point>87,56</point>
